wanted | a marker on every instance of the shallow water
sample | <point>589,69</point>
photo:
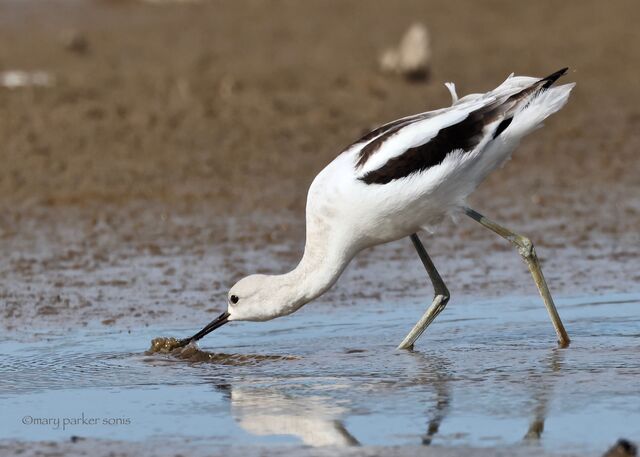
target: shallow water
<point>485,374</point>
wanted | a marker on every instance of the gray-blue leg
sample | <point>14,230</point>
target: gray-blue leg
<point>440,299</point>
<point>528,253</point>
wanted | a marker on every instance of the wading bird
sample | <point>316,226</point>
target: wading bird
<point>396,180</point>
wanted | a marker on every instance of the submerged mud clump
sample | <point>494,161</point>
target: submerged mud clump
<point>163,345</point>
<point>192,353</point>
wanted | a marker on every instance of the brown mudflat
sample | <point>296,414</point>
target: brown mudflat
<point>172,154</point>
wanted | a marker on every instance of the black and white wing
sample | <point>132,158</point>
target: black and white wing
<point>416,143</point>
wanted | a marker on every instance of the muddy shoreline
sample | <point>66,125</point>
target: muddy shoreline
<point>157,150</point>
<point>87,448</point>
<point>151,264</point>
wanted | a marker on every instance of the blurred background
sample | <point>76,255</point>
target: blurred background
<point>238,103</point>
<point>159,128</point>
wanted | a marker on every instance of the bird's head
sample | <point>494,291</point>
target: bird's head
<point>260,298</point>
<point>256,298</point>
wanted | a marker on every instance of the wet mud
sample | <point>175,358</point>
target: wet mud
<point>192,353</point>
<point>148,178</point>
<point>164,345</point>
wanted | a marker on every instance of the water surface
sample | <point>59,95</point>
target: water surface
<point>486,373</point>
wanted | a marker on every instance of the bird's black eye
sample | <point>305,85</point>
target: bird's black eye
<point>234,299</point>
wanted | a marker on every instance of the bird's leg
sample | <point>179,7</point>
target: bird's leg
<point>528,253</point>
<point>440,299</point>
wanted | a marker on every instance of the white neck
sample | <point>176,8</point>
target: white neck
<point>319,268</point>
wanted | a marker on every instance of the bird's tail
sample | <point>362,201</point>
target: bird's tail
<point>535,103</point>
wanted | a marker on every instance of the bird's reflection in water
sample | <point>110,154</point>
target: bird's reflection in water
<point>314,420</point>
<point>542,393</point>
<point>434,371</point>
<point>317,420</point>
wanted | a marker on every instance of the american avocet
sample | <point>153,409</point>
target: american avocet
<point>402,177</point>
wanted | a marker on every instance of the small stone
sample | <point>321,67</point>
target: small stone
<point>623,448</point>
<point>75,41</point>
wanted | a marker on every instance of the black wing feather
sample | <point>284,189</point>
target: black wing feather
<point>462,136</point>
